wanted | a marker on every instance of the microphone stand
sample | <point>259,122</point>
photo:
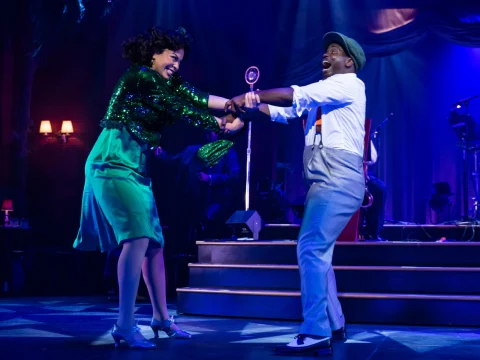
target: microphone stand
<point>375,135</point>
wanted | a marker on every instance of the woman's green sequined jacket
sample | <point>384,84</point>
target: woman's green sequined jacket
<point>144,103</point>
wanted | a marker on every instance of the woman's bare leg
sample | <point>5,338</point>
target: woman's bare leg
<point>129,268</point>
<point>153,269</point>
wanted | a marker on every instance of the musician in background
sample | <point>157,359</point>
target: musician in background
<point>375,214</point>
<point>205,196</point>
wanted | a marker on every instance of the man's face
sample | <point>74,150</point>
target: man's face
<point>335,61</point>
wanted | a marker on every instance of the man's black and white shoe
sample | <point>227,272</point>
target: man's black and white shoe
<point>340,334</point>
<point>305,343</point>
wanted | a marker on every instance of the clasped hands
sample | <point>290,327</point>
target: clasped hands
<point>242,103</point>
<point>237,107</point>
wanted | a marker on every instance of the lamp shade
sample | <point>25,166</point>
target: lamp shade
<point>7,205</point>
<point>67,127</point>
<point>45,127</point>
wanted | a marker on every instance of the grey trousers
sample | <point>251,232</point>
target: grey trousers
<point>336,188</point>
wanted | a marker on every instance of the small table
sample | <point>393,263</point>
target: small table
<point>11,238</point>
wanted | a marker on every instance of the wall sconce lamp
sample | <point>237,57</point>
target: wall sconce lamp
<point>62,136</point>
<point>67,129</point>
<point>45,128</point>
<point>7,206</point>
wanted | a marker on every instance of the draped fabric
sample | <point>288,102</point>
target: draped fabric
<point>461,27</point>
<point>31,34</point>
<point>415,71</point>
<point>419,62</point>
<point>394,41</point>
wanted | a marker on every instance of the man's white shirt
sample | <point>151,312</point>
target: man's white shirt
<point>343,102</point>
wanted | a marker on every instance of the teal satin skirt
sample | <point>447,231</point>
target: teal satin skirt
<point>118,202</point>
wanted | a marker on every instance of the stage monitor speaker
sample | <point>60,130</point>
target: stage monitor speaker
<point>245,224</point>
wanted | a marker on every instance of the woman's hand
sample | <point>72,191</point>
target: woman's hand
<point>233,127</point>
<point>230,124</point>
<point>229,118</point>
<point>221,122</point>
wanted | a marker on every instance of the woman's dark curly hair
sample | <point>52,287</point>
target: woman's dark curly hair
<point>139,50</point>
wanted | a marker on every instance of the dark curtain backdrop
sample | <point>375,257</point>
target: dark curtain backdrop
<point>51,67</point>
<point>415,71</point>
<point>223,49</point>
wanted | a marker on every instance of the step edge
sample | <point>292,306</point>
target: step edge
<point>428,226</point>
<point>339,267</point>
<point>239,292</point>
<point>251,242</point>
<point>385,296</point>
<point>288,242</point>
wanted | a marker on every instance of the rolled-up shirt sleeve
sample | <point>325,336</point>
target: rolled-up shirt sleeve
<point>336,90</point>
<point>281,114</point>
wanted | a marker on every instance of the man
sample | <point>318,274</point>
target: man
<point>375,214</point>
<point>333,170</point>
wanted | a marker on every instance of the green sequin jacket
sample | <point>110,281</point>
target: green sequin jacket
<point>144,103</point>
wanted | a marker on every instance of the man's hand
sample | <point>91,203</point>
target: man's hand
<point>158,151</point>
<point>252,100</point>
<point>203,177</point>
<point>236,104</point>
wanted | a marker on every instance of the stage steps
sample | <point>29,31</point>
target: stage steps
<point>372,279</point>
<point>394,283</point>
<point>391,232</point>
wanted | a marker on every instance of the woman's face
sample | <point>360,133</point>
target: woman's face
<point>168,62</point>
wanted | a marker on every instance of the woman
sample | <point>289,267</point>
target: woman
<point>118,206</point>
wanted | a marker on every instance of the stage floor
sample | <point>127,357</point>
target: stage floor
<point>78,328</point>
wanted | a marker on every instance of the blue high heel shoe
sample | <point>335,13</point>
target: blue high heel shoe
<point>132,336</point>
<point>165,325</point>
